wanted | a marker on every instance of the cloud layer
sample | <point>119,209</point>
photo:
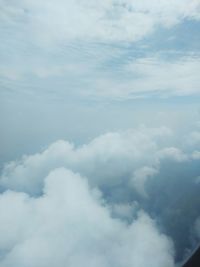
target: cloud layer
<point>93,203</point>
<point>129,20</point>
<point>105,161</point>
<point>103,50</point>
<point>69,225</point>
<point>125,198</point>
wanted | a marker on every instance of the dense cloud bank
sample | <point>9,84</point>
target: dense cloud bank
<point>124,199</point>
<point>69,225</point>
<point>106,161</point>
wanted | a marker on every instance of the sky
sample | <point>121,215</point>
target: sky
<point>100,132</point>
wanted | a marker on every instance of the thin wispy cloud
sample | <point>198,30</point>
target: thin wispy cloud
<point>44,40</point>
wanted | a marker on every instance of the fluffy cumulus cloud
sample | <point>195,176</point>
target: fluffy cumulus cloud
<point>69,225</point>
<point>106,161</point>
<point>68,205</point>
<point>110,160</point>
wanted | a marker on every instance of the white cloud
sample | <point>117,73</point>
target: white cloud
<point>196,155</point>
<point>69,226</point>
<point>173,153</point>
<point>109,20</point>
<point>76,203</point>
<point>108,160</point>
<point>64,26</point>
<point>129,158</point>
<point>140,177</point>
<point>194,138</point>
<point>125,211</point>
<point>138,78</point>
<point>152,76</point>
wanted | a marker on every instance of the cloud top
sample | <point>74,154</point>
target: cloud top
<point>69,225</point>
<point>92,203</point>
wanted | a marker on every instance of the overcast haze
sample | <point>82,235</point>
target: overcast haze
<point>100,132</point>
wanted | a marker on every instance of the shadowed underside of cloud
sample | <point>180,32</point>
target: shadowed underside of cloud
<point>94,203</point>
